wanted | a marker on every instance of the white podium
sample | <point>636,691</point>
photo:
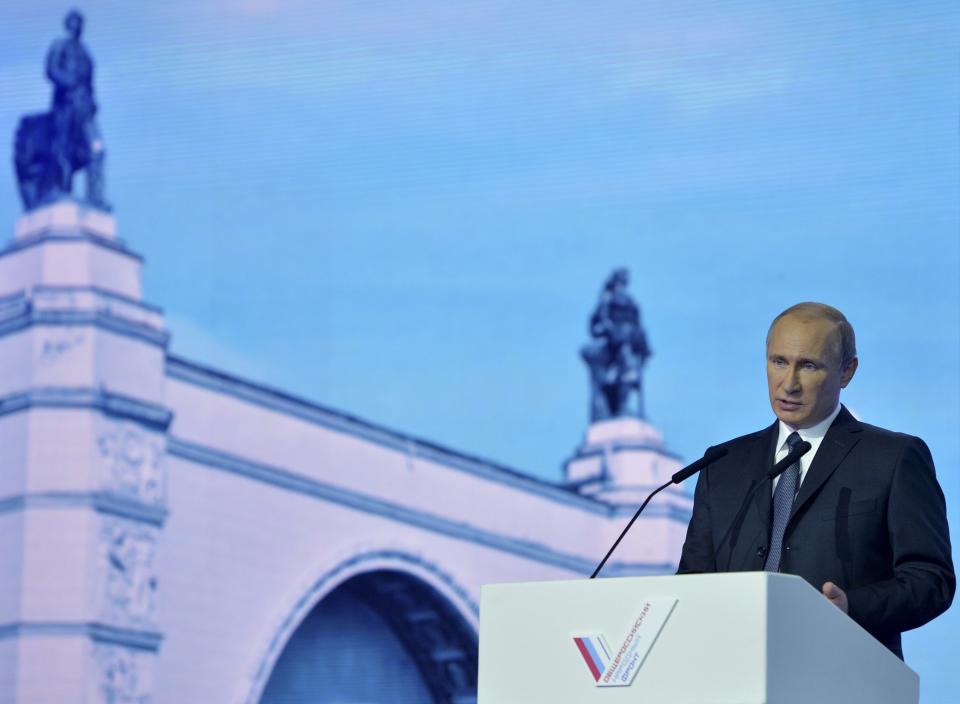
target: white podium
<point>740,638</point>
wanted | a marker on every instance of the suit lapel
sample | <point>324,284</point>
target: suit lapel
<point>763,501</point>
<point>754,522</point>
<point>839,440</point>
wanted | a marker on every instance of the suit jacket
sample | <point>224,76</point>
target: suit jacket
<point>869,516</point>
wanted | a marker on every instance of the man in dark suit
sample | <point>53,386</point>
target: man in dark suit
<point>861,516</point>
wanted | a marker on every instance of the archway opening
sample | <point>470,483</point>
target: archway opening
<point>379,638</point>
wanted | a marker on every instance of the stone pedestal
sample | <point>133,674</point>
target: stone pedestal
<point>621,461</point>
<point>82,445</point>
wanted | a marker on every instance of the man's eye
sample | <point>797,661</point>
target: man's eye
<point>810,366</point>
<point>778,362</point>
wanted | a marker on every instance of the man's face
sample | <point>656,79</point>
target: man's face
<point>804,377</point>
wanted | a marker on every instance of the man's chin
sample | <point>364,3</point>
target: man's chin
<point>792,415</point>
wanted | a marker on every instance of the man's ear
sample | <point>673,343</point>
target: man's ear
<point>847,374</point>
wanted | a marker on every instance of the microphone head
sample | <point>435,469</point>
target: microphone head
<point>795,454</point>
<point>711,455</point>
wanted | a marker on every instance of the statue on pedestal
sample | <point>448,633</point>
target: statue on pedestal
<point>51,147</point>
<point>617,353</point>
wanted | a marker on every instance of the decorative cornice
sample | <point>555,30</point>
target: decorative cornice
<point>285,479</point>
<point>109,403</point>
<point>52,234</point>
<point>100,291</point>
<point>619,446</point>
<point>24,316</point>
<point>275,400</point>
<point>14,304</point>
<point>98,501</point>
<point>97,632</point>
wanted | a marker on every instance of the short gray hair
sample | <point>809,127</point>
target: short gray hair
<point>844,342</point>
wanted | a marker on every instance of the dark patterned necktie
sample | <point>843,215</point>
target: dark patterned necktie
<point>782,504</point>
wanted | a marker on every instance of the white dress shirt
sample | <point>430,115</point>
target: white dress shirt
<point>813,435</point>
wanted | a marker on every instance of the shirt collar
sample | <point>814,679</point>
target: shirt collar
<point>814,433</point>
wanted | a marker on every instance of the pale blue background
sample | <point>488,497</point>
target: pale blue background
<point>406,210</point>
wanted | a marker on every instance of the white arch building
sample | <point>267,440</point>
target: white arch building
<point>171,533</point>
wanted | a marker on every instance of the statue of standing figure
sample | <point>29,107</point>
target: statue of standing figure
<point>51,147</point>
<point>617,353</point>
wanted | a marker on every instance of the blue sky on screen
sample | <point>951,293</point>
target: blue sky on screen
<point>406,210</point>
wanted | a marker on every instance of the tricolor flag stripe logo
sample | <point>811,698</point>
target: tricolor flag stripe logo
<point>591,663</point>
<point>618,668</point>
<point>595,654</point>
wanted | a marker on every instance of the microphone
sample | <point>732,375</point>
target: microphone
<point>775,471</point>
<point>711,455</point>
<point>795,454</point>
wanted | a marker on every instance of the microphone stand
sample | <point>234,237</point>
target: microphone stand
<point>632,520</point>
<point>712,454</point>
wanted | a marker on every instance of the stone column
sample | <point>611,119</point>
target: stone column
<point>82,446</point>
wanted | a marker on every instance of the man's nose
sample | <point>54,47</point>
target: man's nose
<point>791,383</point>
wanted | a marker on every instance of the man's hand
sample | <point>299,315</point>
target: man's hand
<point>836,595</point>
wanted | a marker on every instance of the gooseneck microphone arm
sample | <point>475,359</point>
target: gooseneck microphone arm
<point>775,471</point>
<point>632,520</point>
<point>711,455</point>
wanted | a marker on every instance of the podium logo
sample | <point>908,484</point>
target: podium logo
<point>618,668</point>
